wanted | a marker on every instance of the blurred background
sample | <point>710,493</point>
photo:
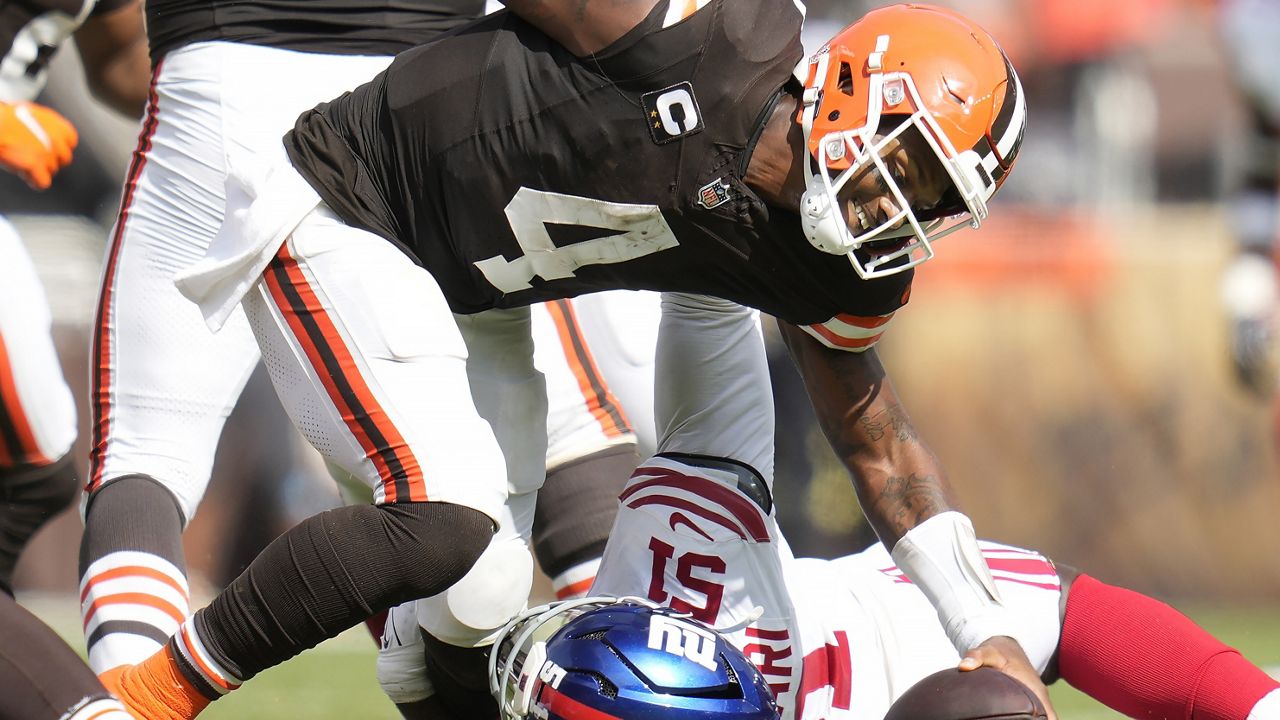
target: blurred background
<point>1089,367</point>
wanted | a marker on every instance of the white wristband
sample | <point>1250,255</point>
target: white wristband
<point>941,556</point>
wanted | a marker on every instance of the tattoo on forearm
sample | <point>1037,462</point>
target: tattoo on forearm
<point>911,499</point>
<point>892,420</point>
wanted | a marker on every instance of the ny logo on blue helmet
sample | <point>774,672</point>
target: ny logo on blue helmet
<point>624,659</point>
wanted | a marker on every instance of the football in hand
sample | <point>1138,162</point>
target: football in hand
<point>982,694</point>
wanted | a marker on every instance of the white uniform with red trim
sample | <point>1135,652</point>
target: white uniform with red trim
<point>837,639</point>
<point>37,411</point>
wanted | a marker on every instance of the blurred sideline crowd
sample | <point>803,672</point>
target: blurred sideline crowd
<point>1139,138</point>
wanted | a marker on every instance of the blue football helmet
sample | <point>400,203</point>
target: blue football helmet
<point>625,659</point>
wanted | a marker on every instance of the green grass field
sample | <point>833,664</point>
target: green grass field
<point>336,680</point>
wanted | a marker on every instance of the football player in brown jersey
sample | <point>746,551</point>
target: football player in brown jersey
<point>674,134</point>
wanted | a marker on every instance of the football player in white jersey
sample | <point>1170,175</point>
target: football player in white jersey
<point>841,639</point>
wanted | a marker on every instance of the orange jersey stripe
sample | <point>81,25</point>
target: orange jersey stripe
<point>844,342</point>
<point>600,400</point>
<point>363,404</point>
<point>861,321</point>
<point>132,571</point>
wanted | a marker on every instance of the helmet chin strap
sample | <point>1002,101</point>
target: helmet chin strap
<point>820,224</point>
<point>819,216</point>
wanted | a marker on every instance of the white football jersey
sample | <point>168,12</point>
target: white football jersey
<point>836,639</point>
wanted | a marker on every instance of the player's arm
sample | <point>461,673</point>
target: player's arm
<point>899,481</point>
<point>909,502</point>
<point>582,26</point>
<point>113,50</point>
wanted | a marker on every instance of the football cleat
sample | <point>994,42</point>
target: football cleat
<point>906,72</point>
<point>626,659</point>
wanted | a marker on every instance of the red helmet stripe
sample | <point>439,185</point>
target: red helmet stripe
<point>566,708</point>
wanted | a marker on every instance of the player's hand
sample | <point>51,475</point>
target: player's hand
<point>35,142</point>
<point>1006,655</point>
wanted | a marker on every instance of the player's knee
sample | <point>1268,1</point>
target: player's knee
<point>439,541</point>
<point>495,589</point>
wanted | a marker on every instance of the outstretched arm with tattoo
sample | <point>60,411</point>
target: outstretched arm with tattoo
<point>899,481</point>
<point>909,502</point>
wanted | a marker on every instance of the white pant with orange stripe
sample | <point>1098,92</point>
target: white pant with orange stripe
<point>597,353</point>
<point>383,395</point>
<point>37,411</point>
<point>163,384</point>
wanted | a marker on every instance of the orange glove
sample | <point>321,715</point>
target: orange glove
<point>35,142</point>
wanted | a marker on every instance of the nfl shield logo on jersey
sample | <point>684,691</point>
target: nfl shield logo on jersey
<point>713,194</point>
<point>672,113</point>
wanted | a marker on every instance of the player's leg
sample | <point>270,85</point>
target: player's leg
<point>37,413</point>
<point>370,365</point>
<point>457,626</point>
<point>1143,658</point>
<point>594,351</point>
<point>43,679</point>
<point>618,330</point>
<point>162,383</point>
<point>576,506</point>
<point>588,455</point>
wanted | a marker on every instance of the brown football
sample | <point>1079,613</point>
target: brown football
<point>982,694</point>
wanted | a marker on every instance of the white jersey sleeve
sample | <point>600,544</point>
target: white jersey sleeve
<point>868,634</point>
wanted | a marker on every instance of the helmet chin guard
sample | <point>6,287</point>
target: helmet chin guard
<point>970,112</point>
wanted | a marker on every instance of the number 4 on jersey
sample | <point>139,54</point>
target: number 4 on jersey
<point>641,230</point>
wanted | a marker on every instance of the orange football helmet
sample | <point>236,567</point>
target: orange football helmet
<point>907,68</point>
